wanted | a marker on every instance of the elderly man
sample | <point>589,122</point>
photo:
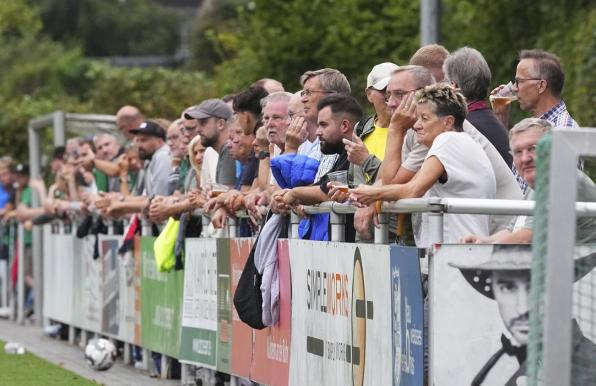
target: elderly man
<point>523,138</point>
<point>468,71</point>
<point>275,117</point>
<point>539,80</point>
<point>315,85</point>
<point>505,278</point>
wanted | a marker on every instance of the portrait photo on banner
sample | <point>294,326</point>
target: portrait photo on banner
<point>481,314</point>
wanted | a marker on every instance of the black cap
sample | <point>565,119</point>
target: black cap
<point>150,128</point>
<point>21,169</point>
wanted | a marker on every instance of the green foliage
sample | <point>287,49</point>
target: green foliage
<point>283,39</point>
<point>112,27</point>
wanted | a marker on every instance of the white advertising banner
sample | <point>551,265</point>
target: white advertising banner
<point>341,314</point>
<point>199,307</point>
<point>92,296</point>
<point>59,277</point>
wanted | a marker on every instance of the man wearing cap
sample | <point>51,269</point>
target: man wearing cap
<point>366,150</point>
<point>505,278</point>
<point>212,116</point>
<point>149,137</point>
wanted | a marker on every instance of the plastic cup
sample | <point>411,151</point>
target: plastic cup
<point>340,178</point>
<point>505,96</point>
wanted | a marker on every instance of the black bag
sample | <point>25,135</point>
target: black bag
<point>248,299</point>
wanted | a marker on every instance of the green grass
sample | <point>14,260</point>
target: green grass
<point>30,370</point>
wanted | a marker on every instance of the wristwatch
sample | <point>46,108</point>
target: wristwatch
<point>263,154</point>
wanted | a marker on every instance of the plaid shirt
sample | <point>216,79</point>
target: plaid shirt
<point>559,116</point>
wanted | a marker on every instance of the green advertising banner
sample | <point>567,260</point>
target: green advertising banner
<point>224,306</point>
<point>161,298</point>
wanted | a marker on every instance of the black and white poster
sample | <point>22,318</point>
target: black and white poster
<point>480,314</point>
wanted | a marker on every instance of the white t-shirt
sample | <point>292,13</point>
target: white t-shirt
<point>209,167</point>
<point>469,175</point>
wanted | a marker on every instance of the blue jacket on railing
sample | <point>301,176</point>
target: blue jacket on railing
<point>291,170</point>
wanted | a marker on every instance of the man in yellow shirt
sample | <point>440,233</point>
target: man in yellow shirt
<point>367,147</point>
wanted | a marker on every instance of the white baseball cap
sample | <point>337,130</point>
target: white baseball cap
<point>380,74</point>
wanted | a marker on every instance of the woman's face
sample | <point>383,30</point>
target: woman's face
<point>428,124</point>
<point>134,162</point>
<point>199,153</point>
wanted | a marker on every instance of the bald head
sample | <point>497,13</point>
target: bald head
<point>128,118</point>
<point>270,85</point>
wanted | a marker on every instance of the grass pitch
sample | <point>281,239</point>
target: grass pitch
<point>30,370</point>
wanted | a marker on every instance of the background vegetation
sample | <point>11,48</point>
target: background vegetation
<point>50,49</point>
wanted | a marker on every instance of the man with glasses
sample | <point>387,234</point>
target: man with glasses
<point>366,149</point>
<point>538,82</point>
<point>315,86</point>
<point>523,138</point>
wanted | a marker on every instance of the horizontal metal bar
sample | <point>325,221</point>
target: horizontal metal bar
<point>486,206</point>
<point>42,121</point>
<point>452,205</point>
<point>99,118</point>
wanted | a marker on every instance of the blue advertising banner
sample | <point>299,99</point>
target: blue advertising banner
<point>406,317</point>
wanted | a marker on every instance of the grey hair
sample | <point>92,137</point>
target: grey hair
<point>470,71</point>
<point>530,123</point>
<point>279,96</point>
<point>422,75</point>
<point>330,79</point>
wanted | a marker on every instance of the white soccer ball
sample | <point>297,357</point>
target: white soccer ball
<point>100,354</point>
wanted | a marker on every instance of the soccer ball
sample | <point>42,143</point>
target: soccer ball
<point>100,354</point>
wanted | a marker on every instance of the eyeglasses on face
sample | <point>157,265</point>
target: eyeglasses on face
<point>398,94</point>
<point>517,81</point>
<point>308,92</point>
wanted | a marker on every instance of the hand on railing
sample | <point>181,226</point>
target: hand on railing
<point>158,209</point>
<point>362,221</point>
<point>338,192</point>
<point>364,195</point>
<point>219,218</point>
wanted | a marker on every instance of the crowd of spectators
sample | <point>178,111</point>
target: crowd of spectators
<point>432,133</point>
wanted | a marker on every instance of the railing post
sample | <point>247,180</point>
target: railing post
<point>205,220</point>
<point>382,232</point>
<point>232,226</point>
<point>338,224</point>
<point>147,357</point>
<point>435,221</point>
<point>21,275</point>
<point>110,227</point>
<point>295,221</point>
<point>436,236</point>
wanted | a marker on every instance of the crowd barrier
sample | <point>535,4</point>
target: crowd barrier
<point>350,313</point>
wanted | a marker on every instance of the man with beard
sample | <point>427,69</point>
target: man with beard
<point>212,116</point>
<point>149,138</point>
<point>338,114</point>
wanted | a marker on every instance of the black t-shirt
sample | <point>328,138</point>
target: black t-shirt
<point>341,163</point>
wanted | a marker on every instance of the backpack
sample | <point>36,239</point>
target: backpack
<point>248,299</point>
